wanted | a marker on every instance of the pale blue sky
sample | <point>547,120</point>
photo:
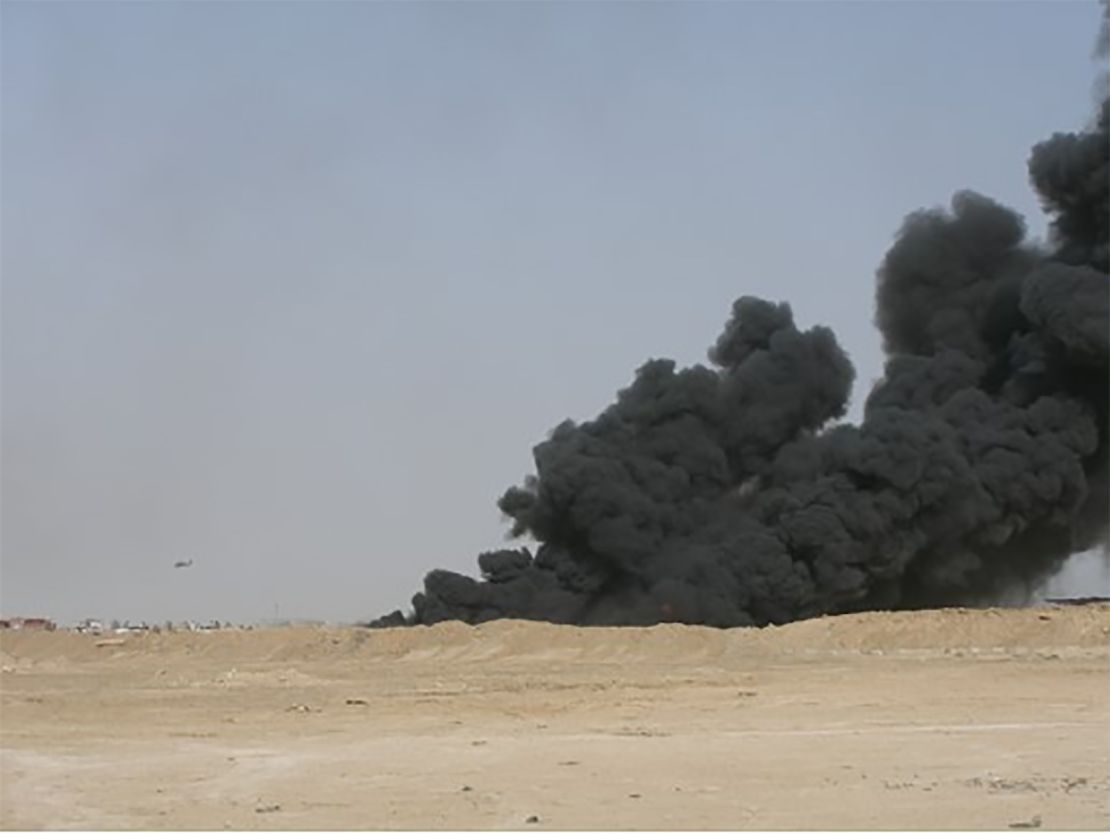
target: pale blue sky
<point>292,289</point>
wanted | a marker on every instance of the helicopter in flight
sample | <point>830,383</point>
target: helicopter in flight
<point>183,564</point>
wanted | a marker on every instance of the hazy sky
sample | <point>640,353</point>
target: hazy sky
<point>292,289</point>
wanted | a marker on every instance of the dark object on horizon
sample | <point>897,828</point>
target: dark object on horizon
<point>726,496</point>
<point>1077,600</point>
<point>395,618</point>
<point>183,564</point>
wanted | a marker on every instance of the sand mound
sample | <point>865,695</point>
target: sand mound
<point>1085,627</point>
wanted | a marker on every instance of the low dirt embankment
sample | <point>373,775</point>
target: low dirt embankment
<point>956,629</point>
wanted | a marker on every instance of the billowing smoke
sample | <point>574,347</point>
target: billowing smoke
<point>720,495</point>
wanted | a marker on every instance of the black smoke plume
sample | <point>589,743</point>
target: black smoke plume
<point>719,495</point>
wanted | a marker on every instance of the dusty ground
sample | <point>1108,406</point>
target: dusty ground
<point>939,720</point>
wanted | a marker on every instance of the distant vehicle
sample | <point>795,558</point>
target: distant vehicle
<point>187,564</point>
<point>129,627</point>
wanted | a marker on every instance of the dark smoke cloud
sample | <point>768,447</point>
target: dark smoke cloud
<point>1102,43</point>
<point>719,495</point>
<point>1070,173</point>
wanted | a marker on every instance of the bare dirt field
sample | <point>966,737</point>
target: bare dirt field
<point>954,719</point>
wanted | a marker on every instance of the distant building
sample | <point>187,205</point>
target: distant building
<point>28,624</point>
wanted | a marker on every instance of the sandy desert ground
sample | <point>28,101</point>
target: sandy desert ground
<point>955,719</point>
